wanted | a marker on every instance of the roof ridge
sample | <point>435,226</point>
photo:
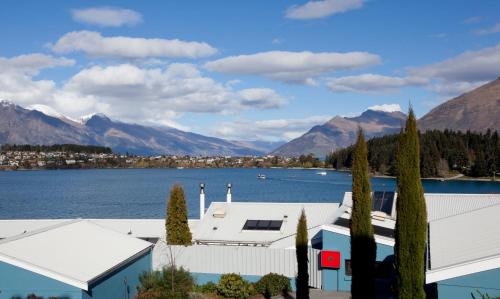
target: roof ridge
<point>39,231</point>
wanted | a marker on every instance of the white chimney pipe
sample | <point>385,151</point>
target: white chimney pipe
<point>202,200</point>
<point>228,195</point>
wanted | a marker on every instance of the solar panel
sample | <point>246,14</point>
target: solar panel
<point>274,225</point>
<point>377,230</point>
<point>382,201</point>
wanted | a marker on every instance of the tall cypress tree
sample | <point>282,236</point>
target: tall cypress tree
<point>363,248</point>
<point>411,222</point>
<point>177,228</point>
<point>301,244</point>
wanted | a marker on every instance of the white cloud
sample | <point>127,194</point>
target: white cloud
<point>473,20</point>
<point>491,30</point>
<point>21,89</point>
<point>461,73</point>
<point>386,108</point>
<point>107,16</point>
<point>179,87</point>
<point>451,89</point>
<point>262,98</point>
<point>271,130</point>
<point>321,8</point>
<point>372,83</point>
<point>148,95</point>
<point>16,74</point>
<point>277,41</point>
<point>94,44</point>
<point>32,63</point>
<point>470,66</point>
<point>292,67</point>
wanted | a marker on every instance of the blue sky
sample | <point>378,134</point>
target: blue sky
<point>244,70</point>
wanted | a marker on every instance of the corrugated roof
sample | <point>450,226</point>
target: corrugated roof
<point>229,229</point>
<point>139,228</point>
<point>440,205</point>
<point>464,238</point>
<point>75,252</point>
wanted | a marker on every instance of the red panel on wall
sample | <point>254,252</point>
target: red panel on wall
<point>330,259</point>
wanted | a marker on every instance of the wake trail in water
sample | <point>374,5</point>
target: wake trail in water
<point>308,181</point>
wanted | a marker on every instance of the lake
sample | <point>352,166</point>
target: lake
<point>141,193</point>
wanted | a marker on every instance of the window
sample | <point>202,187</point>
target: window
<point>383,269</point>
<point>348,269</point>
<point>274,225</point>
<point>382,201</point>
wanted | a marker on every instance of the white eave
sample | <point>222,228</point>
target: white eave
<point>444,273</point>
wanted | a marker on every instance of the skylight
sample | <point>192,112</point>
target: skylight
<point>272,225</point>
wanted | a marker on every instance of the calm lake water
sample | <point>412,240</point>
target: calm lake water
<point>141,193</point>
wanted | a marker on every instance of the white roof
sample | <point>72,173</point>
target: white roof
<point>440,205</point>
<point>464,244</point>
<point>139,228</point>
<point>76,252</point>
<point>229,229</point>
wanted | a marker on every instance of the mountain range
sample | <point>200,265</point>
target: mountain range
<point>477,110</point>
<point>341,132</point>
<point>24,126</point>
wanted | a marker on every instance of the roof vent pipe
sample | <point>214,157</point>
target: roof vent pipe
<point>202,200</point>
<point>228,195</point>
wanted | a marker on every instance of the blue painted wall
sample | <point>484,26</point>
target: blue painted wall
<point>18,282</point>
<point>487,282</point>
<point>122,284</point>
<point>337,280</point>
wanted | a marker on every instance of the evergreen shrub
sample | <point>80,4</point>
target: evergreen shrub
<point>273,284</point>
<point>234,286</point>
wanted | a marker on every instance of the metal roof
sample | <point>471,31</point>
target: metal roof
<point>76,252</point>
<point>139,228</point>
<point>441,205</point>
<point>459,241</point>
<point>223,222</point>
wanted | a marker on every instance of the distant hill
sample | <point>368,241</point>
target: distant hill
<point>476,110</point>
<point>23,126</point>
<point>340,132</point>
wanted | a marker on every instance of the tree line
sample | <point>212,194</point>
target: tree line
<point>67,148</point>
<point>441,153</point>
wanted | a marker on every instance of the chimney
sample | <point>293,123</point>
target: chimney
<point>228,196</point>
<point>202,200</point>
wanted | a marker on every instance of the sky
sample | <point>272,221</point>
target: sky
<point>244,70</point>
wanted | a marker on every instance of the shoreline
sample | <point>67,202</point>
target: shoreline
<point>459,177</point>
<point>454,178</point>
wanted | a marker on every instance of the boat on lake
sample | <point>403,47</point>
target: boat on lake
<point>322,173</point>
<point>261,176</point>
